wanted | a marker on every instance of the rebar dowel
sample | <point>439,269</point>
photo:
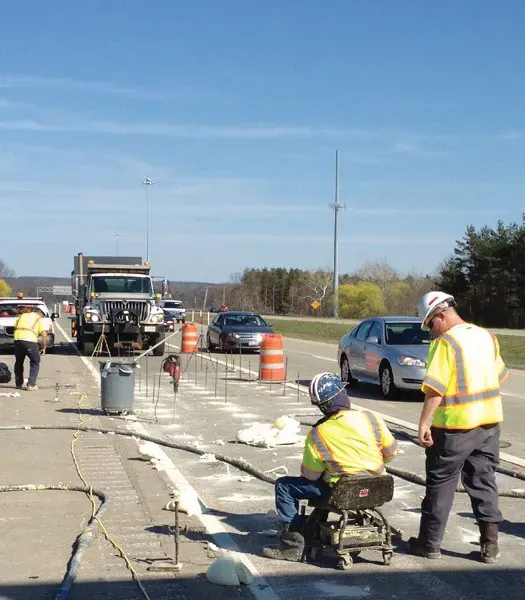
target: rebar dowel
<point>176,533</point>
<point>216,376</point>
<point>285,376</point>
<point>298,380</point>
<point>206,375</point>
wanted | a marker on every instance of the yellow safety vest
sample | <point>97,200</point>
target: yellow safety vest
<point>352,443</point>
<point>28,327</point>
<point>465,368</point>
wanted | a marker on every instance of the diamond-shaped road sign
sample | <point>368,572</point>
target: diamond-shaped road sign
<point>315,304</point>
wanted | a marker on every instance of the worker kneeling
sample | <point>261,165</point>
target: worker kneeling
<point>345,442</point>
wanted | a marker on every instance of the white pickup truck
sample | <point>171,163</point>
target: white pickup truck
<point>175,309</point>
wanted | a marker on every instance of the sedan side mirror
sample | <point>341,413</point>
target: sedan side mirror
<point>372,340</point>
<point>54,316</point>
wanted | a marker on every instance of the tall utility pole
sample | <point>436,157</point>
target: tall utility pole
<point>147,182</point>
<point>117,235</point>
<point>336,206</point>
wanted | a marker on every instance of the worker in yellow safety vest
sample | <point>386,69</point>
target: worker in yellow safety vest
<point>344,443</point>
<point>28,327</point>
<point>459,425</point>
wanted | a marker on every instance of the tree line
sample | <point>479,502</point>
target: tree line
<point>486,274</point>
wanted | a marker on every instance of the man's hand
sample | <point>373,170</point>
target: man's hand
<point>42,350</point>
<point>424,435</point>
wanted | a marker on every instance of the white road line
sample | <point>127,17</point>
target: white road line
<point>260,588</point>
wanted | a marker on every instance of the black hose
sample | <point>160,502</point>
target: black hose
<point>83,540</point>
<point>246,466</point>
<point>235,462</point>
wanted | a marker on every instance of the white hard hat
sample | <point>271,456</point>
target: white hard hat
<point>430,303</point>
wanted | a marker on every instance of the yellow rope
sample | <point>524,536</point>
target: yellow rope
<point>108,537</point>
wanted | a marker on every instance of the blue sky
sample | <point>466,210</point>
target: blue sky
<point>235,110</point>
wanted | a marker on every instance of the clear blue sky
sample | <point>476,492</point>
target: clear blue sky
<point>235,108</point>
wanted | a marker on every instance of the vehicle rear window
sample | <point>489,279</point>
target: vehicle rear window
<point>15,309</point>
<point>173,305</point>
<point>406,334</point>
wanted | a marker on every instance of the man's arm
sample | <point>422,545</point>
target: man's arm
<point>313,465</point>
<point>44,342</point>
<point>432,401</point>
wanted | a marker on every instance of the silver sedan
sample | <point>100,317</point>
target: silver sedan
<point>389,351</point>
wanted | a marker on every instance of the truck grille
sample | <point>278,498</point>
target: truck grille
<point>139,308</point>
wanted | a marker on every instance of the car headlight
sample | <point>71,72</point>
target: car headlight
<point>258,337</point>
<point>160,318</point>
<point>411,361</point>
<point>95,318</point>
<point>234,335</point>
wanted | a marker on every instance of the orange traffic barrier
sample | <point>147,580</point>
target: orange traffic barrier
<point>271,364</point>
<point>189,338</point>
<point>73,310</point>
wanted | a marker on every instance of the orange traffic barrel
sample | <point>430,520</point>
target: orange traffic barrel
<point>189,338</point>
<point>73,310</point>
<point>271,364</point>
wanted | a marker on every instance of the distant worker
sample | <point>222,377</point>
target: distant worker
<point>344,443</point>
<point>459,425</point>
<point>28,327</point>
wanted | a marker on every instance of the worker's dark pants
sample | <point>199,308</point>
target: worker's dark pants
<point>289,490</point>
<point>472,453</point>
<point>32,350</point>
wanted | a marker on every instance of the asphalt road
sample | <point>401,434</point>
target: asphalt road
<point>219,395</point>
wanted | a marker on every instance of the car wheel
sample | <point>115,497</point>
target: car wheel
<point>386,378</point>
<point>208,342</point>
<point>346,373</point>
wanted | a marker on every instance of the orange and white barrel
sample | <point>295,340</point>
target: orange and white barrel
<point>189,338</point>
<point>271,364</point>
<point>72,310</point>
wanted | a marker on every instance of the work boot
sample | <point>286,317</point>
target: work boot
<point>291,548</point>
<point>418,548</point>
<point>30,388</point>
<point>489,542</point>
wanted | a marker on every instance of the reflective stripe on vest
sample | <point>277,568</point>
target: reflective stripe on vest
<point>472,397</point>
<point>334,468</point>
<point>32,332</point>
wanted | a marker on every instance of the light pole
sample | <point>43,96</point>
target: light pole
<point>147,182</point>
<point>336,206</point>
<point>117,235</point>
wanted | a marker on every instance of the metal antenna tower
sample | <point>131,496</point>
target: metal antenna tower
<point>336,206</point>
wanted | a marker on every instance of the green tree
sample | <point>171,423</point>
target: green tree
<point>5,289</point>
<point>360,300</point>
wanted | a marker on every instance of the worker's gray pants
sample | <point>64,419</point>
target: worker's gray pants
<point>475,454</point>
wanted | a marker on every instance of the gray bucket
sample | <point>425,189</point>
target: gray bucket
<point>117,385</point>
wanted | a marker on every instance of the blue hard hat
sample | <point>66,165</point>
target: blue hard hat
<point>324,387</point>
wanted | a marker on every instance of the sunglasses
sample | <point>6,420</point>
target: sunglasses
<point>430,323</point>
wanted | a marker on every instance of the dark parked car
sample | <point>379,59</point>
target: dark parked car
<point>237,329</point>
<point>389,351</point>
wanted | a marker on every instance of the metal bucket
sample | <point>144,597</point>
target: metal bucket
<point>117,386</point>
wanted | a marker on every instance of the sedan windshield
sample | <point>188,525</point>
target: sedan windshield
<point>16,309</point>
<point>245,321</point>
<point>405,334</point>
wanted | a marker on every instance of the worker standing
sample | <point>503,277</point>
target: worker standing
<point>459,425</point>
<point>28,327</point>
<point>344,443</point>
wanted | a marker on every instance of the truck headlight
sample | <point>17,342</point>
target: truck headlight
<point>411,361</point>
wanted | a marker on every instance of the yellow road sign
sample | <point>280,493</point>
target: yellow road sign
<point>315,304</point>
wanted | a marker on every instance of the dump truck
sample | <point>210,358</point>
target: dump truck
<point>114,298</point>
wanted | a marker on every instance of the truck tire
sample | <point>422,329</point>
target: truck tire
<point>86,345</point>
<point>159,350</point>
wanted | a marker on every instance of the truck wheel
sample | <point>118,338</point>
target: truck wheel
<point>88,347</point>
<point>159,350</point>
